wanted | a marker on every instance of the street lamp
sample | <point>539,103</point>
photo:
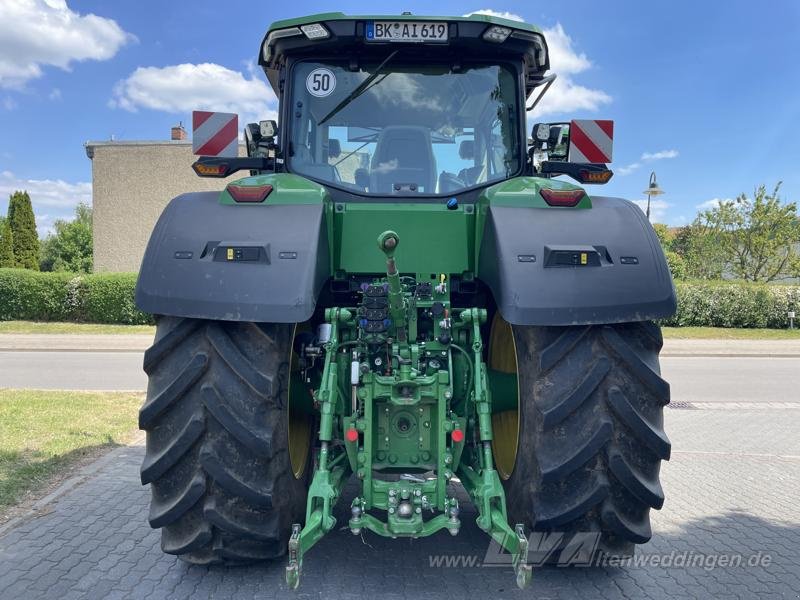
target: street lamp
<point>652,190</point>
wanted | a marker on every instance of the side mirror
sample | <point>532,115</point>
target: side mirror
<point>558,141</point>
<point>268,128</point>
<point>334,148</point>
<point>258,144</point>
<point>252,137</point>
<point>555,136</point>
<point>361,177</point>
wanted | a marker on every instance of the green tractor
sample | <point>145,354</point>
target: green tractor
<point>402,293</point>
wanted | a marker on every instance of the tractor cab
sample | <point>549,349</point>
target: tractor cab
<point>404,106</point>
<point>414,106</point>
<point>411,106</point>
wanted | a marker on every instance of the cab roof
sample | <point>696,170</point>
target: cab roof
<point>339,16</point>
<point>346,39</point>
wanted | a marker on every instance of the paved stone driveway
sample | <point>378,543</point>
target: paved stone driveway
<point>732,489</point>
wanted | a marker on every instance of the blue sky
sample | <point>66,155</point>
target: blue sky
<point>707,94</point>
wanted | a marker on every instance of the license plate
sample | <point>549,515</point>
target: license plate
<point>406,31</point>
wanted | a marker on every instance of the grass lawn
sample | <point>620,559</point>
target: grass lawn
<point>43,433</point>
<point>720,333</point>
<point>56,327</point>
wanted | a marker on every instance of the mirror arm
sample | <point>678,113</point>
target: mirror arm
<point>580,172</point>
<point>221,166</point>
<point>546,82</point>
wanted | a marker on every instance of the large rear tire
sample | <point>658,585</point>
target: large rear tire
<point>590,437</point>
<point>217,460</point>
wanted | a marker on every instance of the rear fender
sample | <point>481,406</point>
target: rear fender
<point>527,254</point>
<point>211,260</point>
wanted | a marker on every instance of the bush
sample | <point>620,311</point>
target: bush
<point>733,304</point>
<point>33,296</point>
<point>100,298</point>
<point>677,266</point>
<point>108,298</point>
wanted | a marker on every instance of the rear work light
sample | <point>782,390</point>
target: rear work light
<point>315,31</point>
<point>562,197</point>
<point>496,34</point>
<point>249,193</point>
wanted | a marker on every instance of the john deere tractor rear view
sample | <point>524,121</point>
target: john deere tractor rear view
<point>402,293</point>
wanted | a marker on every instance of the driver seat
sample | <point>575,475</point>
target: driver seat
<point>403,156</point>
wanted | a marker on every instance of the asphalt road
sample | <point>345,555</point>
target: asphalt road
<point>732,379</point>
<point>72,370</point>
<point>693,378</point>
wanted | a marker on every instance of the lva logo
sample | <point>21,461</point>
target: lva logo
<point>553,547</point>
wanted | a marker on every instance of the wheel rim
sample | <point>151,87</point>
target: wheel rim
<point>504,384</point>
<point>299,414</point>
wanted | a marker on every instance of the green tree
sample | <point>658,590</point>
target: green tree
<point>677,266</point>
<point>6,244</point>
<point>759,236</point>
<point>23,227</point>
<point>665,236</point>
<point>699,250</point>
<point>70,247</point>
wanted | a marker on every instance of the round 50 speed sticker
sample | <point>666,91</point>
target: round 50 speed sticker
<point>321,82</point>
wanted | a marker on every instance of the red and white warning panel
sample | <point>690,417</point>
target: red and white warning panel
<point>590,141</point>
<point>215,133</point>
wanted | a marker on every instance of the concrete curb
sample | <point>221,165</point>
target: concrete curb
<point>703,348</point>
<point>74,342</point>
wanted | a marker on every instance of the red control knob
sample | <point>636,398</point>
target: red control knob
<point>352,435</point>
<point>457,435</point>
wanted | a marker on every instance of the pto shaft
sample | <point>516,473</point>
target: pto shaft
<point>387,242</point>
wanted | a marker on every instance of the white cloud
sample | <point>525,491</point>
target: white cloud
<point>660,155</point>
<point>646,157</point>
<point>495,13</point>
<point>51,198</point>
<point>713,203</point>
<point>55,94</point>
<point>627,170</point>
<point>187,87</point>
<point>37,33</point>
<point>565,95</point>
<point>658,209</point>
<point>563,58</point>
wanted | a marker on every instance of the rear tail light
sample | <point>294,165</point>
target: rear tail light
<point>249,193</point>
<point>562,197</point>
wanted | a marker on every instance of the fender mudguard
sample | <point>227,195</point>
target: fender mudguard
<point>566,266</point>
<point>235,262</point>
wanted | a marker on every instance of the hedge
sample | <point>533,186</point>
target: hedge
<point>98,298</point>
<point>108,298</point>
<point>733,304</point>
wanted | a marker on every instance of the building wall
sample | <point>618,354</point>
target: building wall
<point>132,182</point>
